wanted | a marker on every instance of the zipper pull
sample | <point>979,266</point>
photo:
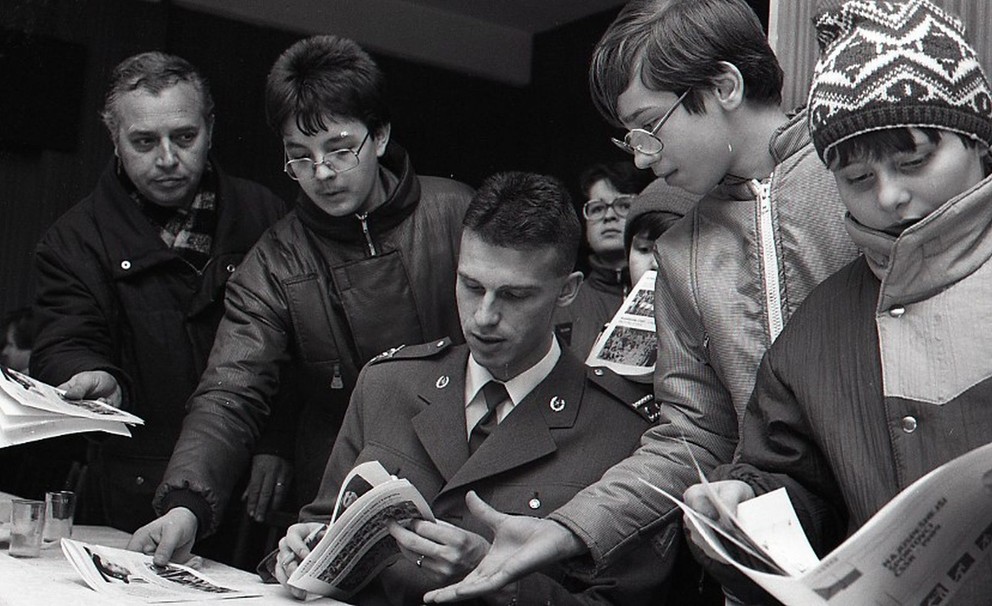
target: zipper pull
<point>365,230</point>
<point>337,382</point>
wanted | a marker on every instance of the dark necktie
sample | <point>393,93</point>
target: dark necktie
<point>495,394</point>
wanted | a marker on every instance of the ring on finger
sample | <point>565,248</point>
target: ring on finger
<point>420,560</point>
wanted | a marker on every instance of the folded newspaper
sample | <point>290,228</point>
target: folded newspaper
<point>356,545</point>
<point>128,573</point>
<point>628,345</point>
<point>31,410</point>
<point>918,549</point>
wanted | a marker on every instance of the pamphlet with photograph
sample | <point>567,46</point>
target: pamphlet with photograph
<point>31,410</point>
<point>628,345</point>
<point>132,574</point>
<point>356,545</point>
<point>918,549</point>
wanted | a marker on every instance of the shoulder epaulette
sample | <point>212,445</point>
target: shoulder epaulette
<point>407,352</point>
<point>639,396</point>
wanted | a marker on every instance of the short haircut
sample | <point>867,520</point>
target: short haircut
<point>623,176</point>
<point>154,72</point>
<point>526,211</point>
<point>23,325</point>
<point>649,225</point>
<point>676,45</point>
<point>321,77</point>
<point>879,144</point>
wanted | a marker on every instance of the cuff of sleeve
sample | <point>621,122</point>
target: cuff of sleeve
<point>194,502</point>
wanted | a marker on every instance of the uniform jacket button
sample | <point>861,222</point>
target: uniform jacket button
<point>231,268</point>
<point>139,480</point>
<point>598,372</point>
<point>896,311</point>
<point>909,424</point>
<point>534,503</point>
<point>125,265</point>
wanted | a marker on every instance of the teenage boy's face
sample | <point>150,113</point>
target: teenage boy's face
<point>641,259</point>
<point>894,192</point>
<point>695,155</point>
<point>345,193</point>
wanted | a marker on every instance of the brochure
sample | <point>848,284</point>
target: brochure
<point>628,345</point>
<point>356,545</point>
<point>128,573</point>
<point>31,410</point>
<point>918,549</point>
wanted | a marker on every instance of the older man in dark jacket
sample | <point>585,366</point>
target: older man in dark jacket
<point>131,279</point>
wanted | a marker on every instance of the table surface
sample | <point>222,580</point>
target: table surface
<point>51,579</point>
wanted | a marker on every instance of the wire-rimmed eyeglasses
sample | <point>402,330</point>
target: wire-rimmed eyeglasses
<point>647,141</point>
<point>595,209</point>
<point>339,161</point>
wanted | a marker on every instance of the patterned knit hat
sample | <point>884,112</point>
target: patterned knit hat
<point>894,64</point>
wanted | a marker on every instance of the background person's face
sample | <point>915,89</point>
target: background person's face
<point>162,141</point>
<point>506,298</point>
<point>605,236</point>
<point>339,194</point>
<point>641,259</point>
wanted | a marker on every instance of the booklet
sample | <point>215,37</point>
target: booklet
<point>31,410</point>
<point>356,545</point>
<point>918,549</point>
<point>128,573</point>
<point>628,345</point>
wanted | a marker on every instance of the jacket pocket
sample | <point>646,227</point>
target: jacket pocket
<point>379,303</point>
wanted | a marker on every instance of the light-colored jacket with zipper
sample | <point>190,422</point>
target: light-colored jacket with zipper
<point>731,273</point>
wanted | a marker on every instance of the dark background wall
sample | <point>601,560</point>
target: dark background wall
<point>452,124</point>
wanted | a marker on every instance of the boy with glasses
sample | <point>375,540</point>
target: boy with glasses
<point>699,77</point>
<point>609,189</point>
<point>884,373</point>
<point>364,264</point>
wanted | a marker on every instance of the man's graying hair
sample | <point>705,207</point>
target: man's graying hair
<point>154,72</point>
<point>526,211</point>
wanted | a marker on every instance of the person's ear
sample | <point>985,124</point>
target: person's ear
<point>382,139</point>
<point>728,86</point>
<point>569,289</point>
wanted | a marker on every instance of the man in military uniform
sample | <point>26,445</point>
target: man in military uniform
<point>511,416</point>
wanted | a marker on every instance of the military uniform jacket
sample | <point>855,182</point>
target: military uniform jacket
<point>408,412</point>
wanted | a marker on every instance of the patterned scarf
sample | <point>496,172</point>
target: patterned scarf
<point>188,231</point>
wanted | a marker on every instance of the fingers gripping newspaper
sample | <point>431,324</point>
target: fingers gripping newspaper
<point>918,549</point>
<point>31,410</point>
<point>356,545</point>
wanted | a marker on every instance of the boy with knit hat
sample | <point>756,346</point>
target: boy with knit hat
<point>885,371</point>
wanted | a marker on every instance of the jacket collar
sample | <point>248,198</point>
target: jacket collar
<point>607,279</point>
<point>402,197</point>
<point>522,437</point>
<point>786,141</point>
<point>946,246</point>
<point>129,236</point>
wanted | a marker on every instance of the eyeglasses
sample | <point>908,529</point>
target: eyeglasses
<point>339,161</point>
<point>595,210</point>
<point>647,141</point>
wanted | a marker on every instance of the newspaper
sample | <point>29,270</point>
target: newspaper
<point>356,545</point>
<point>128,573</point>
<point>31,410</point>
<point>628,345</point>
<point>918,549</point>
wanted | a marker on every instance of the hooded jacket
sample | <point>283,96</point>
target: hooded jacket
<point>884,374</point>
<point>730,275</point>
<point>316,299</point>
